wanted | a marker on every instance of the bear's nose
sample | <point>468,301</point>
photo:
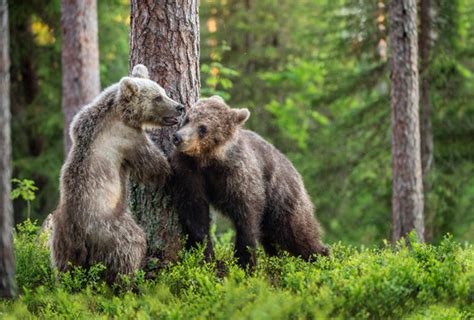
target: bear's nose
<point>180,108</point>
<point>177,139</point>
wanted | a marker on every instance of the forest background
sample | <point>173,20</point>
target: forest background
<point>315,75</point>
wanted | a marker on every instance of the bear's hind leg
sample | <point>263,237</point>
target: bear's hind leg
<point>67,250</point>
<point>120,245</point>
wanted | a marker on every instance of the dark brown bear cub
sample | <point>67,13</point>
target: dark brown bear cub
<point>247,179</point>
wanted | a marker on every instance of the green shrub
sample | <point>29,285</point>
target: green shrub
<point>33,266</point>
<point>417,282</point>
<point>79,278</point>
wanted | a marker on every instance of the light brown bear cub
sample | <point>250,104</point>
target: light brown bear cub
<point>244,177</point>
<point>92,223</point>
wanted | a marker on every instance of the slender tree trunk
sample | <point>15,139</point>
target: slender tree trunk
<point>425,103</point>
<point>426,132</point>
<point>407,198</point>
<point>7,267</point>
<point>80,58</point>
<point>250,66</point>
<point>164,36</point>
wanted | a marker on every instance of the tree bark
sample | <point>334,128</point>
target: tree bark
<point>7,267</point>
<point>407,197</point>
<point>164,36</point>
<point>426,132</point>
<point>80,58</point>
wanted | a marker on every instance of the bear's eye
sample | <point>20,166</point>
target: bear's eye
<point>202,130</point>
<point>159,99</point>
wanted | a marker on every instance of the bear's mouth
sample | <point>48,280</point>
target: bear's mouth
<point>170,121</point>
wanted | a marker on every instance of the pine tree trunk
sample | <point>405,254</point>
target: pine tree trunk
<point>426,132</point>
<point>7,268</point>
<point>407,197</point>
<point>164,36</point>
<point>80,58</point>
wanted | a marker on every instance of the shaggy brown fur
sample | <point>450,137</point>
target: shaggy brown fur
<point>245,178</point>
<point>92,223</point>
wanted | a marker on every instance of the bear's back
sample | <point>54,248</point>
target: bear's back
<point>89,120</point>
<point>266,153</point>
<point>277,170</point>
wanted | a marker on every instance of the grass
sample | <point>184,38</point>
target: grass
<point>416,282</point>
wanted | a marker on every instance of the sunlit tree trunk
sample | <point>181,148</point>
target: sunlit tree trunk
<point>426,132</point>
<point>7,268</point>
<point>80,58</point>
<point>164,36</point>
<point>407,197</point>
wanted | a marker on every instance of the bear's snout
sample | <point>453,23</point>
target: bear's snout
<point>177,139</point>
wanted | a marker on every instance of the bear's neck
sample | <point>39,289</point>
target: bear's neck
<point>220,155</point>
<point>101,185</point>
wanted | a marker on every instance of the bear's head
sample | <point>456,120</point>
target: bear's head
<point>208,127</point>
<point>143,103</point>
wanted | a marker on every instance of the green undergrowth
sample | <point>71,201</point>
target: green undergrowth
<point>416,282</point>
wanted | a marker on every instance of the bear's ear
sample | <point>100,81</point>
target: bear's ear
<point>241,115</point>
<point>128,88</point>
<point>140,71</point>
